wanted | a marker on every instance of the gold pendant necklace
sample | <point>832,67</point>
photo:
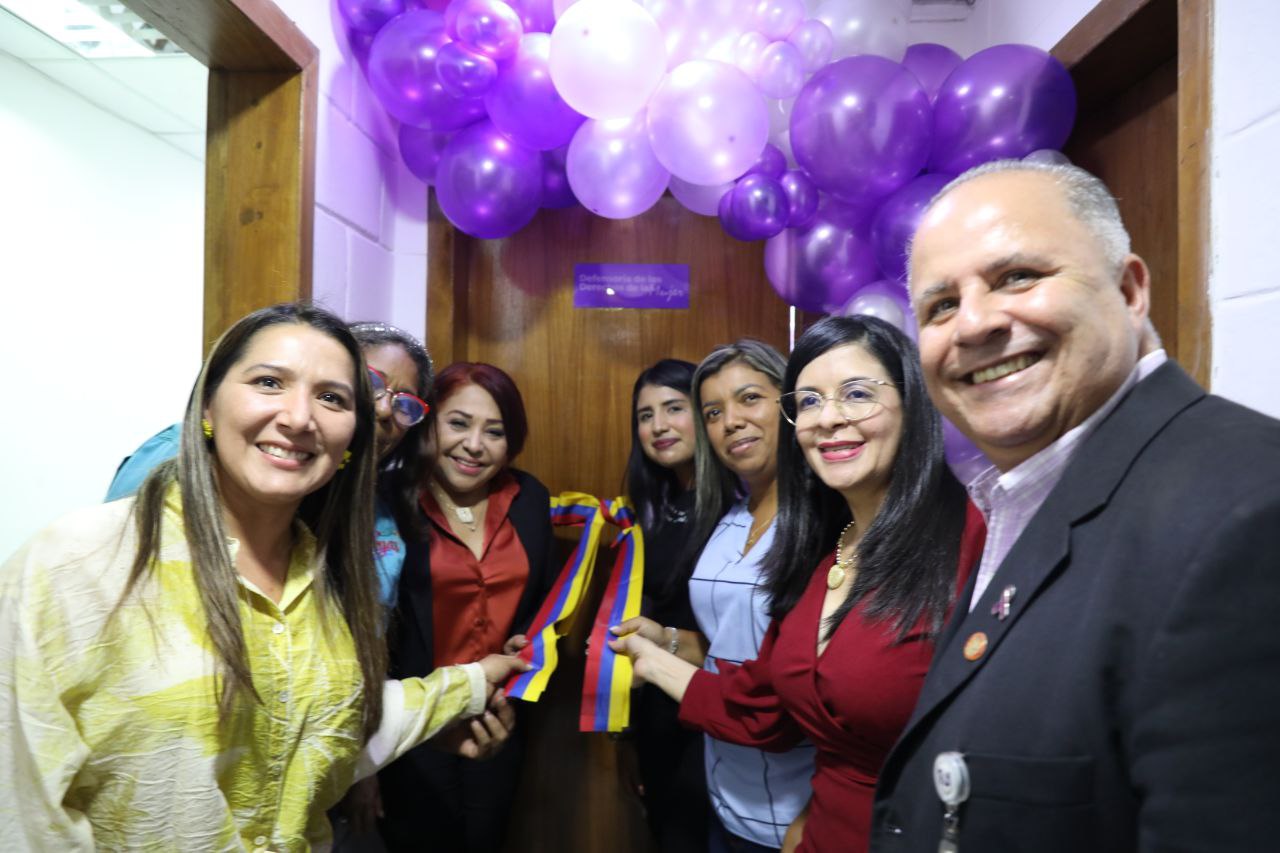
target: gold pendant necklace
<point>755,532</point>
<point>840,568</point>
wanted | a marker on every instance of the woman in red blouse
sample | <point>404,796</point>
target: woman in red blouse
<point>475,584</point>
<point>874,538</point>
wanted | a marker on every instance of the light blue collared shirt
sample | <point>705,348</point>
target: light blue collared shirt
<point>755,794</point>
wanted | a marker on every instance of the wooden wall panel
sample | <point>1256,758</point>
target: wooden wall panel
<point>575,367</point>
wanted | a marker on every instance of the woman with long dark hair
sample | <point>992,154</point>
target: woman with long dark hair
<point>659,483</point>
<point>483,573</point>
<point>203,667</point>
<point>754,795</point>
<point>875,536</point>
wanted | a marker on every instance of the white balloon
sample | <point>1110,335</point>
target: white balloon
<point>867,26</point>
<point>697,198</point>
<point>607,57</point>
<point>700,29</point>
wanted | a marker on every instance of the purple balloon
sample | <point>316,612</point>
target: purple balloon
<point>755,209</point>
<point>1002,102</point>
<point>772,162</point>
<point>537,16</point>
<point>802,198</point>
<point>861,127</point>
<point>524,103</point>
<point>368,16</point>
<point>931,63</point>
<point>463,72</point>
<point>489,26</point>
<point>612,167</point>
<point>488,186</point>
<point>819,265</point>
<point>421,150</point>
<point>964,458</point>
<point>402,74</point>
<point>556,192</point>
<point>814,41</point>
<point>896,221</point>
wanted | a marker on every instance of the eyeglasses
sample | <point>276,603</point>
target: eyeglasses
<point>855,401</point>
<point>406,409</point>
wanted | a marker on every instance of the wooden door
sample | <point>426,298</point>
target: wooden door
<point>1141,68</point>
<point>510,302</point>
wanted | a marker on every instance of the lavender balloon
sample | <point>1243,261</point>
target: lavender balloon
<point>421,150</point>
<point>524,103</point>
<point>488,186</point>
<point>755,209</point>
<point>607,57</point>
<point>1048,155</point>
<point>771,162</point>
<point>778,18</point>
<point>556,192</point>
<point>931,63</point>
<point>707,122</point>
<point>463,72</point>
<point>897,219</point>
<point>814,41</point>
<point>704,201</point>
<point>699,29</point>
<point>402,74</point>
<point>802,198</point>
<point>1002,102</point>
<point>490,27</point>
<point>748,51</point>
<point>781,72</point>
<point>368,16</point>
<point>819,265</point>
<point>861,127</point>
<point>886,300</point>
<point>612,168</point>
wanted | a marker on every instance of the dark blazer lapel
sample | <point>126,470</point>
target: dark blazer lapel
<point>1091,478</point>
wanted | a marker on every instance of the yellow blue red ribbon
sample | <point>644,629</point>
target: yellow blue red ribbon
<point>606,684</point>
<point>555,616</point>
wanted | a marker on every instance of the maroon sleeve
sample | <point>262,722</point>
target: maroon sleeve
<point>739,704</point>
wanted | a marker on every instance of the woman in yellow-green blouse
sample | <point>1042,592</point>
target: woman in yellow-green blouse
<point>203,668</point>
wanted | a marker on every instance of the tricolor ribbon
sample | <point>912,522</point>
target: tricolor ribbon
<point>555,616</point>
<point>606,684</point>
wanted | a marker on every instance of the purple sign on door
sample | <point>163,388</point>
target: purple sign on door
<point>630,285</point>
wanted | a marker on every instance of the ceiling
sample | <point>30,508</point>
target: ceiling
<point>163,94</point>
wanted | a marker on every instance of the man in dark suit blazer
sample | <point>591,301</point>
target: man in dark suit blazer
<point>1110,679</point>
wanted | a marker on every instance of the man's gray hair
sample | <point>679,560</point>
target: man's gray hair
<point>1086,195</point>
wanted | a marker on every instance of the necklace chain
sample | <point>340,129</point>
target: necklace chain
<point>756,531</point>
<point>464,514</point>
<point>840,569</point>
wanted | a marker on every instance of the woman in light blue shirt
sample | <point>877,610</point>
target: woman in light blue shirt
<point>755,795</point>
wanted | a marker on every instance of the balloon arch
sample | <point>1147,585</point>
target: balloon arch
<point>812,126</point>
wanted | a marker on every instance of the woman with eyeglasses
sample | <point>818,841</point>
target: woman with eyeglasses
<point>487,570</point>
<point>203,667</point>
<point>875,537</point>
<point>754,795</point>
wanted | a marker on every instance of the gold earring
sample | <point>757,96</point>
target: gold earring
<point>206,427</point>
<point>346,457</point>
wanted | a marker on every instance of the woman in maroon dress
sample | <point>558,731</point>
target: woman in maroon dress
<point>874,538</point>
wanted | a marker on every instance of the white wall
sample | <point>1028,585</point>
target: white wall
<point>1244,284</point>
<point>371,233</point>
<point>101,270</point>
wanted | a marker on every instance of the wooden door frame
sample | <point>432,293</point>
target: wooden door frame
<point>260,156</point>
<point>1113,47</point>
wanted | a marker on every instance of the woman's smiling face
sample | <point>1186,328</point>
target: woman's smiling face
<point>467,443</point>
<point>740,412</point>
